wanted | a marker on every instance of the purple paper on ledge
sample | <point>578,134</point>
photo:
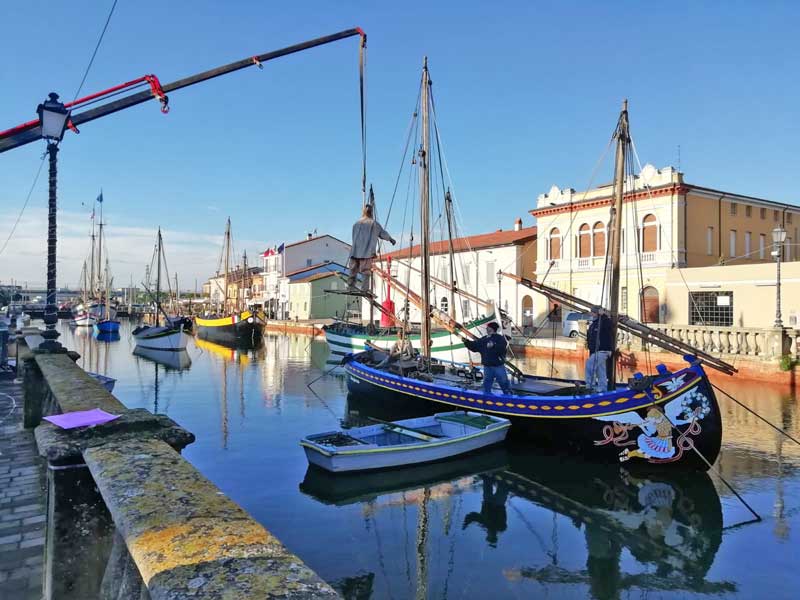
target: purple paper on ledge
<point>81,418</point>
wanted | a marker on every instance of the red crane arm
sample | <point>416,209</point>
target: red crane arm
<point>31,131</point>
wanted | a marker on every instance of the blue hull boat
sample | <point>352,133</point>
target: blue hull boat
<point>107,326</point>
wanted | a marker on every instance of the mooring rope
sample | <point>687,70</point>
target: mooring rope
<point>754,413</point>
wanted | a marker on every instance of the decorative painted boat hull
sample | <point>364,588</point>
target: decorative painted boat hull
<point>106,327</point>
<point>241,329</point>
<point>457,439</point>
<point>344,340</point>
<point>667,424</point>
<point>160,338</point>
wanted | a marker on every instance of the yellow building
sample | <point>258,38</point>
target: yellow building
<point>668,224</point>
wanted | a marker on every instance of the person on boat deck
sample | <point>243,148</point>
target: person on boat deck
<point>401,349</point>
<point>601,345</point>
<point>492,348</point>
<point>366,233</point>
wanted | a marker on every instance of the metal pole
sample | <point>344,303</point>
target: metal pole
<point>51,310</point>
<point>778,320</point>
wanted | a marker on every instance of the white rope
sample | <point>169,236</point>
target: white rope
<point>13,406</point>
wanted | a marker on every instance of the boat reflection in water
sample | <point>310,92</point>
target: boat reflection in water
<point>671,526</point>
<point>170,360</point>
<point>107,336</point>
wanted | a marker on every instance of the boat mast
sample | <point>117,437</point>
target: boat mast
<point>91,275</point>
<point>227,251</point>
<point>107,305</point>
<point>100,252</point>
<point>622,136</point>
<point>245,284</point>
<point>448,207</point>
<point>177,295</point>
<point>158,277</point>
<point>424,199</point>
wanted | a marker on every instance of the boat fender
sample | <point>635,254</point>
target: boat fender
<point>249,319</point>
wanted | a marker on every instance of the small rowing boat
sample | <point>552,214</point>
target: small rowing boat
<point>406,442</point>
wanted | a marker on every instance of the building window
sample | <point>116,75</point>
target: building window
<point>763,213</point>
<point>762,241</point>
<point>584,241</point>
<point>444,305</point>
<point>599,239</point>
<point>747,236</point>
<point>711,308</point>
<point>649,234</point>
<point>732,248</point>
<point>308,262</point>
<point>305,306</point>
<point>465,310</point>
<point>554,244</point>
<point>775,216</point>
<point>788,217</point>
<point>491,274</point>
<point>623,297</point>
<point>787,255</point>
<point>710,241</point>
<point>748,211</point>
<point>733,209</point>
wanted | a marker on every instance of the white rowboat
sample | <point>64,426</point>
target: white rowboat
<point>160,338</point>
<point>407,442</point>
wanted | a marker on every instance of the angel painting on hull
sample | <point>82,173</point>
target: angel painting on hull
<point>659,427</point>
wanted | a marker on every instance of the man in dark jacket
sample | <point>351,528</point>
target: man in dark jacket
<point>601,345</point>
<point>492,348</point>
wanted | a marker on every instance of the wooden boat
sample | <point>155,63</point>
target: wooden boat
<point>107,326</point>
<point>346,338</point>
<point>233,325</point>
<point>662,420</point>
<point>403,443</point>
<point>157,337</point>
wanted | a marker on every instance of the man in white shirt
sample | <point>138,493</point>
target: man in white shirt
<point>366,233</point>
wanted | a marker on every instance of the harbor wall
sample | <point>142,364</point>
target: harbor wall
<point>122,496</point>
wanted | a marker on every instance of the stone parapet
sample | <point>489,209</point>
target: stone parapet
<point>186,538</point>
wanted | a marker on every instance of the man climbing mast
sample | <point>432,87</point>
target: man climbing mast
<point>366,233</point>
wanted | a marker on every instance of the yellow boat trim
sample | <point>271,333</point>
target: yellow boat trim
<point>619,411</point>
<point>222,321</point>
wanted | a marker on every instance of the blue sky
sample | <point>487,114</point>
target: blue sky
<point>527,95</point>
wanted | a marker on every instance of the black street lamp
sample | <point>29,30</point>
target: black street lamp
<point>778,238</point>
<point>53,116</point>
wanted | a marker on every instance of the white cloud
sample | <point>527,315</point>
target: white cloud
<point>191,255</point>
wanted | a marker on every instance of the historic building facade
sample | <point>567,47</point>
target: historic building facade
<point>667,224</point>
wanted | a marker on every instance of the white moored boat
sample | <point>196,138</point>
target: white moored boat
<point>407,442</point>
<point>160,338</point>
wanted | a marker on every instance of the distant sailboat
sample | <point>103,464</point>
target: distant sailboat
<point>156,337</point>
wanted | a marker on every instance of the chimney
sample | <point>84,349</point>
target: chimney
<point>518,224</point>
<point>309,236</point>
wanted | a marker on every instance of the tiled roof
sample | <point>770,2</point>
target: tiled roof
<point>332,265</point>
<point>316,276</point>
<point>473,242</point>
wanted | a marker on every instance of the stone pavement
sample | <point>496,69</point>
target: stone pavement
<point>22,502</point>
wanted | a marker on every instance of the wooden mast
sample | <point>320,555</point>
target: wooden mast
<point>91,271</point>
<point>100,253</point>
<point>622,136</point>
<point>226,250</point>
<point>424,199</point>
<point>448,207</point>
<point>158,277</point>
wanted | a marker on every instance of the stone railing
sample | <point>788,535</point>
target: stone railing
<point>768,343</point>
<point>128,517</point>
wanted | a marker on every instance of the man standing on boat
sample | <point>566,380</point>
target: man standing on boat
<point>366,233</point>
<point>598,338</point>
<point>492,348</point>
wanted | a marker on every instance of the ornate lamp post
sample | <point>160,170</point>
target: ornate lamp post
<point>53,117</point>
<point>778,238</point>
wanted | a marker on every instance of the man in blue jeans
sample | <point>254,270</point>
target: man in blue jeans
<point>492,348</point>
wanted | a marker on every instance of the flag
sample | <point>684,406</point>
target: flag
<point>280,249</point>
<point>100,197</point>
<point>268,252</point>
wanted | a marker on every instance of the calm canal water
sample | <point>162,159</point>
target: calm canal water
<point>506,523</point>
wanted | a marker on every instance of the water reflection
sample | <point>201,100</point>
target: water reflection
<point>503,523</point>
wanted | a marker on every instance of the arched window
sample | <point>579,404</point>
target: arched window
<point>650,305</point>
<point>444,304</point>
<point>554,244</point>
<point>599,239</point>
<point>584,241</point>
<point>649,233</point>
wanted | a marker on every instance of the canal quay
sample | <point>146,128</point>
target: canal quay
<point>507,522</point>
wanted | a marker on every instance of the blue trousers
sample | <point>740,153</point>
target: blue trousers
<point>498,373</point>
